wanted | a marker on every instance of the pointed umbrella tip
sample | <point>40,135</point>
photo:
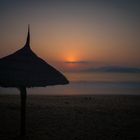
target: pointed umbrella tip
<point>28,37</point>
<point>28,27</point>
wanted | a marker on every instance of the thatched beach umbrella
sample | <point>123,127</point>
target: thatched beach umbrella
<point>24,69</point>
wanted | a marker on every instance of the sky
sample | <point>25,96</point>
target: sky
<point>74,34</point>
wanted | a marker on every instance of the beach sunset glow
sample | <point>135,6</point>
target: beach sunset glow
<point>69,69</point>
<point>74,36</point>
<point>89,32</point>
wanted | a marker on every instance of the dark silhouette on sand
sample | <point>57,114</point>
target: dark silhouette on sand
<point>24,69</point>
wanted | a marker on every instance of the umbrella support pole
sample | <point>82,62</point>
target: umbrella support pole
<point>23,95</point>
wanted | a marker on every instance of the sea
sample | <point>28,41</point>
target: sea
<point>91,83</point>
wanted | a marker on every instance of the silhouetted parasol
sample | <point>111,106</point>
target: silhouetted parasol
<point>24,69</point>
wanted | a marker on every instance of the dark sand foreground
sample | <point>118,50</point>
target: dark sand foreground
<point>72,117</point>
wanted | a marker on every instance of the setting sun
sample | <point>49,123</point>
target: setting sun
<point>71,59</point>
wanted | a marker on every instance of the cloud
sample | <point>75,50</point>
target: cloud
<point>115,69</point>
<point>77,62</point>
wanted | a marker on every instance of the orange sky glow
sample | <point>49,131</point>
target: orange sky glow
<point>96,33</point>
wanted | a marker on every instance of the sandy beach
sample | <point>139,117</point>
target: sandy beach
<point>107,117</point>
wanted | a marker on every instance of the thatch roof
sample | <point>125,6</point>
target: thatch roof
<point>25,68</point>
